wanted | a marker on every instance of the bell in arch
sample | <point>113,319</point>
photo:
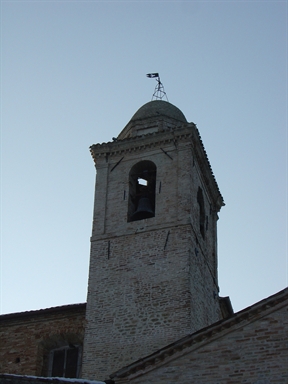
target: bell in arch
<point>144,209</point>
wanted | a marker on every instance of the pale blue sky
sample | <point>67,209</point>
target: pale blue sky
<point>73,74</point>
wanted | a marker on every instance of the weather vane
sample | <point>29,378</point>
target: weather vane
<point>159,92</point>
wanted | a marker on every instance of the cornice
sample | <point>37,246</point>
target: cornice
<point>119,147</point>
<point>206,169</point>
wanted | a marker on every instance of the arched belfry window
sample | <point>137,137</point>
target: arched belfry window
<point>142,183</point>
<point>200,200</point>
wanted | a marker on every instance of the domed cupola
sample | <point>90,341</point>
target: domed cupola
<point>154,116</point>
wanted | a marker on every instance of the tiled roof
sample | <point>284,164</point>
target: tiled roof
<point>39,312</point>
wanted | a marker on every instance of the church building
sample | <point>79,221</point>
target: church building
<point>153,311</point>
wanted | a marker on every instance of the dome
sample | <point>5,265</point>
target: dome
<point>154,116</point>
<point>158,108</point>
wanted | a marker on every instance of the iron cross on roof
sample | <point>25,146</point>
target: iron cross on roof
<point>159,92</point>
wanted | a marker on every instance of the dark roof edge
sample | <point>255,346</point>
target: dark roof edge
<point>6,377</point>
<point>68,307</point>
<point>201,335</point>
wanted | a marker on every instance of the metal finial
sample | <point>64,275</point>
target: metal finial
<point>159,92</point>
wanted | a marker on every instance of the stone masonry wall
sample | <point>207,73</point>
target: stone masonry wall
<point>255,353</point>
<point>138,298</point>
<point>147,285</point>
<point>27,337</point>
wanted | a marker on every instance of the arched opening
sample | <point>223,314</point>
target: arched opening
<point>142,184</point>
<point>61,355</point>
<point>200,200</point>
<point>64,361</point>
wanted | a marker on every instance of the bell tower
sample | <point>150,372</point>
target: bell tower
<point>153,266</point>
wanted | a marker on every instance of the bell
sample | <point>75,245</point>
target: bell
<point>144,209</point>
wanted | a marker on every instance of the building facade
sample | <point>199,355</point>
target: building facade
<point>250,347</point>
<point>153,267</point>
<point>47,342</point>
<point>153,312</point>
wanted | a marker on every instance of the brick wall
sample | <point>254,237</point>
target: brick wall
<point>252,351</point>
<point>151,281</point>
<point>27,337</point>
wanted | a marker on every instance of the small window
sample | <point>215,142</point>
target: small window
<point>202,216</point>
<point>65,362</point>
<point>142,183</point>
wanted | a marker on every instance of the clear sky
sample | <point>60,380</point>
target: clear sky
<point>73,74</point>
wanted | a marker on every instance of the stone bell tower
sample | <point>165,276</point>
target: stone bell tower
<point>153,267</point>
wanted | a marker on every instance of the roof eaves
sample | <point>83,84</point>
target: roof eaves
<point>7,378</point>
<point>45,311</point>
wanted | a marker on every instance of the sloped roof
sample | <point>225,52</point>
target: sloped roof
<point>23,379</point>
<point>39,312</point>
<point>203,336</point>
